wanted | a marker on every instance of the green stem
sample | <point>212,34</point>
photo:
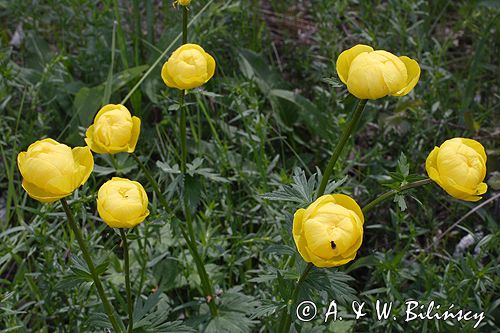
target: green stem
<point>205,280</point>
<point>152,181</point>
<point>88,259</point>
<point>182,129</point>
<point>286,318</point>
<point>113,162</point>
<point>372,204</point>
<point>184,24</point>
<point>157,61</point>
<point>130,305</point>
<point>340,146</point>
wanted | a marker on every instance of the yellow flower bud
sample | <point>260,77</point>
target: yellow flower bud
<point>459,167</point>
<point>330,231</point>
<point>114,130</point>
<point>52,170</point>
<point>188,67</point>
<point>371,74</point>
<point>122,203</point>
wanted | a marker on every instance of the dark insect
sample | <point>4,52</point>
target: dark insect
<point>333,245</point>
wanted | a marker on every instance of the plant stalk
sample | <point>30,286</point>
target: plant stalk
<point>88,259</point>
<point>340,146</point>
<point>286,319</point>
<point>205,280</point>
<point>372,204</point>
<point>130,305</point>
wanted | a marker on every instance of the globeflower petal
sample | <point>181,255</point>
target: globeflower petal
<point>188,67</point>
<point>459,167</point>
<point>40,194</point>
<point>83,157</point>
<point>122,203</point>
<point>413,70</point>
<point>346,57</point>
<point>134,137</point>
<point>329,232</point>
<point>114,130</point>
<point>52,170</point>
<point>371,74</point>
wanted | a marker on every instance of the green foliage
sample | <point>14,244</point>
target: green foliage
<point>256,134</point>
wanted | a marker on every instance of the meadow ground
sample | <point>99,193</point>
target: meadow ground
<point>271,116</point>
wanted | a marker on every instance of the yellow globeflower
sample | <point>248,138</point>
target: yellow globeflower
<point>182,2</point>
<point>371,74</point>
<point>188,67</point>
<point>114,130</point>
<point>52,170</point>
<point>122,203</point>
<point>459,167</point>
<point>330,231</point>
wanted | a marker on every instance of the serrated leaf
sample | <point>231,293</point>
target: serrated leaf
<point>403,165</point>
<point>332,81</point>
<point>400,200</point>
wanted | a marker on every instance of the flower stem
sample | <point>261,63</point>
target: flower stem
<point>205,280</point>
<point>130,305</point>
<point>372,204</point>
<point>286,318</point>
<point>340,146</point>
<point>152,181</point>
<point>182,129</point>
<point>88,259</point>
<point>184,24</point>
<point>191,239</point>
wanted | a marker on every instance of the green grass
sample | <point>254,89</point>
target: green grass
<point>267,111</point>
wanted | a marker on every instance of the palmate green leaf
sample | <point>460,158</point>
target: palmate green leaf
<point>235,313</point>
<point>302,190</point>
<point>195,168</point>
<point>334,82</point>
<point>403,165</point>
<point>266,310</point>
<point>400,200</point>
<point>152,315</point>
<point>192,169</point>
<point>99,320</point>
<point>334,283</point>
<point>80,269</point>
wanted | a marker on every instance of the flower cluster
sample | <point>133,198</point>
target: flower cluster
<point>52,170</point>
<point>327,233</point>
<point>330,231</point>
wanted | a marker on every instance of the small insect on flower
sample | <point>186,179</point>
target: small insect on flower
<point>329,232</point>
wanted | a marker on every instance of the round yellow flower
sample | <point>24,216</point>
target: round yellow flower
<point>459,167</point>
<point>182,2</point>
<point>330,231</point>
<point>371,74</point>
<point>122,203</point>
<point>52,170</point>
<point>114,130</point>
<point>188,67</point>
